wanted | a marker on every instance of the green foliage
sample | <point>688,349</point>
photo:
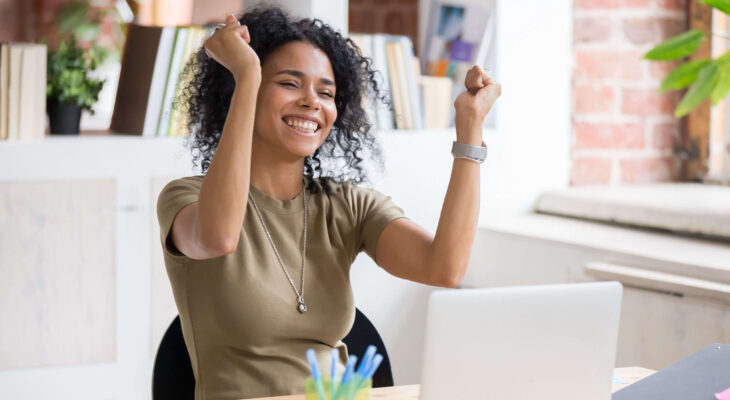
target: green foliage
<point>82,19</point>
<point>677,47</point>
<point>709,78</point>
<point>683,76</point>
<point>722,5</point>
<point>68,80</point>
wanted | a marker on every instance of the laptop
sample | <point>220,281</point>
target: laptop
<point>522,343</point>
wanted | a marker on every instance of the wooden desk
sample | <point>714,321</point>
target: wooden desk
<point>410,392</point>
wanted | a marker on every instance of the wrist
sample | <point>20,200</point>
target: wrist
<point>469,134</point>
<point>249,74</point>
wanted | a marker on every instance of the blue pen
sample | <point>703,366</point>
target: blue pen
<point>370,372</point>
<point>374,366</point>
<point>316,374</point>
<point>367,358</point>
<point>361,371</point>
<point>346,377</point>
<point>333,372</point>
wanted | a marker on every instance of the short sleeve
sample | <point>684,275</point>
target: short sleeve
<point>174,197</point>
<point>372,211</point>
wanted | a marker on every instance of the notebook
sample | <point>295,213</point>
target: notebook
<point>697,377</point>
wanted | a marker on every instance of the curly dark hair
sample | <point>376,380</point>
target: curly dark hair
<point>207,97</point>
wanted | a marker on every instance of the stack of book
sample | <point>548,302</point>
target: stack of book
<point>150,79</point>
<point>22,91</point>
<point>418,102</point>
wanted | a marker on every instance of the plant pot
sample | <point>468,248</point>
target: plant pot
<point>64,118</point>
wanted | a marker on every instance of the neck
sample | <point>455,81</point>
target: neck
<point>277,176</point>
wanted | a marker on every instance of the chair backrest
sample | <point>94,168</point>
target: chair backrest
<point>172,376</point>
<point>362,334</point>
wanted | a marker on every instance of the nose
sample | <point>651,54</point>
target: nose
<point>309,99</point>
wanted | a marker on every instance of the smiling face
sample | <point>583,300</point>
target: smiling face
<point>295,108</point>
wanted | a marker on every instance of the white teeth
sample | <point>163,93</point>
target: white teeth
<point>307,127</point>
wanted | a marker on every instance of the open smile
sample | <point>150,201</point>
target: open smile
<point>302,126</point>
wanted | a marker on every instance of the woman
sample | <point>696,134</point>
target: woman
<point>258,249</point>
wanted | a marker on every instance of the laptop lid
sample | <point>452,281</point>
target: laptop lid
<point>522,343</point>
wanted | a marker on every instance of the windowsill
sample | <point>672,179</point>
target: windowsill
<point>684,208</point>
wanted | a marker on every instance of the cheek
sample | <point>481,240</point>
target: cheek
<point>331,112</point>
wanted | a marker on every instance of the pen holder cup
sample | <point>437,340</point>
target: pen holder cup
<point>346,393</point>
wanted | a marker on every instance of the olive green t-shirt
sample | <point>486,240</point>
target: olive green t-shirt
<point>239,312</point>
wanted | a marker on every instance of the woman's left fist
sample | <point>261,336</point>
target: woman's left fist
<point>474,103</point>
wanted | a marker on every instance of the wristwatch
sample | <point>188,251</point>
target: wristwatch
<point>473,153</point>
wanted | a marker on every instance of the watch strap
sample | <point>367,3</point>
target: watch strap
<point>474,153</point>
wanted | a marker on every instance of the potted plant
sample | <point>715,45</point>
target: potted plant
<point>70,89</point>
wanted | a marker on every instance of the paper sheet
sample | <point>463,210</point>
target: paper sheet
<point>724,395</point>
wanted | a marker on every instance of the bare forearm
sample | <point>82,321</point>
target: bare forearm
<point>224,193</point>
<point>454,237</point>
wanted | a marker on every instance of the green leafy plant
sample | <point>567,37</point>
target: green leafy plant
<point>68,79</point>
<point>82,20</point>
<point>705,78</point>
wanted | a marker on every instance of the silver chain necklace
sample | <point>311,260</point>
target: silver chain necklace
<point>301,307</point>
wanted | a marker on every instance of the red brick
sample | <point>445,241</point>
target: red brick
<point>609,136</point>
<point>590,171</point>
<point>646,170</point>
<point>660,69</point>
<point>648,102</point>
<point>677,5</point>
<point>590,4</point>
<point>608,64</point>
<point>596,4</point>
<point>591,29</point>
<point>652,30</point>
<point>593,99</point>
<point>663,135</point>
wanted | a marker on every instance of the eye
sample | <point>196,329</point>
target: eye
<point>328,94</point>
<point>290,84</point>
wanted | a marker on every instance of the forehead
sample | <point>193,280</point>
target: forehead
<point>300,56</point>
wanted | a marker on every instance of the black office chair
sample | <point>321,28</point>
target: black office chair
<point>172,377</point>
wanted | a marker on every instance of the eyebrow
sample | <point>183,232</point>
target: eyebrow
<point>300,74</point>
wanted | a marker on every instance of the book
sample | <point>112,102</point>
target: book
<point>402,74</point>
<point>27,94</point>
<point>135,79</point>
<point>364,43</point>
<point>16,58</point>
<point>4,81</point>
<point>411,73</point>
<point>384,113</point>
<point>395,85</point>
<point>40,87</point>
<point>32,108</point>
<point>159,79</point>
<point>436,94</point>
<point>176,60</point>
<point>178,116</point>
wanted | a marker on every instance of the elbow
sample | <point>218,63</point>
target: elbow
<point>451,275</point>
<point>228,246</point>
<point>219,246</point>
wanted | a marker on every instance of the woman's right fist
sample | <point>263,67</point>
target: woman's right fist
<point>228,45</point>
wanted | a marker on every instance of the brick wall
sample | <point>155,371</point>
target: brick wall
<point>623,129</point>
<point>384,16</point>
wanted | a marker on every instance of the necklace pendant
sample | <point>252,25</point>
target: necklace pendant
<point>302,308</point>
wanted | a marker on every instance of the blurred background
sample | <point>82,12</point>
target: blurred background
<point>591,175</point>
